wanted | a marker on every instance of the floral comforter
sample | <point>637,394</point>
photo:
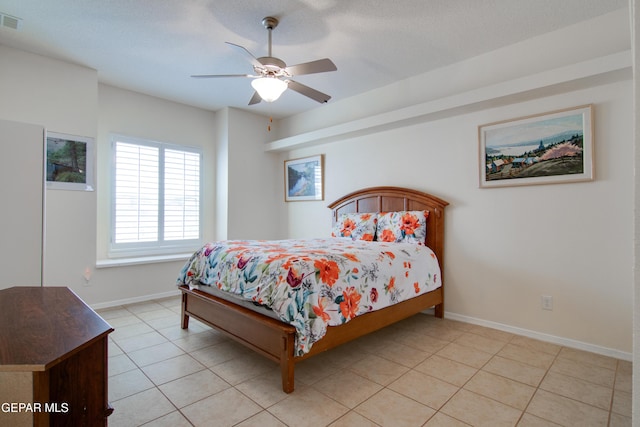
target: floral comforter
<point>312,284</point>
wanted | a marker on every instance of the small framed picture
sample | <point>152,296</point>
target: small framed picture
<point>546,148</point>
<point>69,162</point>
<point>303,179</point>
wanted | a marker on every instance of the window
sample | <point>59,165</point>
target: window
<point>155,197</point>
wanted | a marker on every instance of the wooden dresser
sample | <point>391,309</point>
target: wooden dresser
<point>53,359</point>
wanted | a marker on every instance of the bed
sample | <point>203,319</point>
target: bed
<point>277,340</point>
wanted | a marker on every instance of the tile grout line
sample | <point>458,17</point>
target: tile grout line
<point>145,374</point>
<point>207,368</point>
<point>557,356</point>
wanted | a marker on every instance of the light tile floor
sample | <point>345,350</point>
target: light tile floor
<point>420,372</point>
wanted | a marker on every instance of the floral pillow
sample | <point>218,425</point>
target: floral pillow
<point>356,226</point>
<point>402,226</point>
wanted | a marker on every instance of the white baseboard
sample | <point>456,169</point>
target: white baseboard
<point>143,298</point>
<point>566,342</point>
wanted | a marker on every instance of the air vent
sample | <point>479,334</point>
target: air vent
<point>8,21</point>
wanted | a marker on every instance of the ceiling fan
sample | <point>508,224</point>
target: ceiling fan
<point>272,76</point>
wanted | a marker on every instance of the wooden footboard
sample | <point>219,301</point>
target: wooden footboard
<point>267,336</point>
<point>276,340</point>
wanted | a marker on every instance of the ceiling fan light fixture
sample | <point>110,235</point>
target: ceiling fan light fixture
<point>269,88</point>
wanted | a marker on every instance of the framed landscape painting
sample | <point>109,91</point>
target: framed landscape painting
<point>546,148</point>
<point>69,162</point>
<point>303,179</point>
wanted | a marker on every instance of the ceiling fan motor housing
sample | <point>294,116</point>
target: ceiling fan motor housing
<point>273,65</point>
<point>270,22</point>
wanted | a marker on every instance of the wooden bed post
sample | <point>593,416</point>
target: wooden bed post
<point>185,316</point>
<point>439,310</point>
<point>287,363</point>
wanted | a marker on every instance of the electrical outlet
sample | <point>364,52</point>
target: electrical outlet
<point>547,302</point>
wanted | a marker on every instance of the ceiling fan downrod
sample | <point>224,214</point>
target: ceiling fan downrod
<point>270,23</point>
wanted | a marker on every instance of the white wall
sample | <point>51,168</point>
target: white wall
<point>255,180</point>
<point>142,116</point>
<point>634,6</point>
<point>63,98</point>
<point>222,175</point>
<point>21,228</point>
<point>134,114</point>
<point>505,247</point>
<point>246,182</point>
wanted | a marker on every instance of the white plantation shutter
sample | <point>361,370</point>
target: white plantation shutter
<point>181,195</point>
<point>136,193</point>
<point>156,197</point>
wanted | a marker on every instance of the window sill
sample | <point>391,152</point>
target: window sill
<point>124,262</point>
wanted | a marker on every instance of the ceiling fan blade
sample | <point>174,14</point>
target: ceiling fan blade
<point>255,99</point>
<point>215,76</point>
<point>308,92</point>
<point>319,66</point>
<point>253,59</point>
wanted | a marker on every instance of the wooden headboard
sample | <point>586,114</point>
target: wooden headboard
<point>391,199</point>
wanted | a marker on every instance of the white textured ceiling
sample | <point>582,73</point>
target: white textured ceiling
<point>153,46</point>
